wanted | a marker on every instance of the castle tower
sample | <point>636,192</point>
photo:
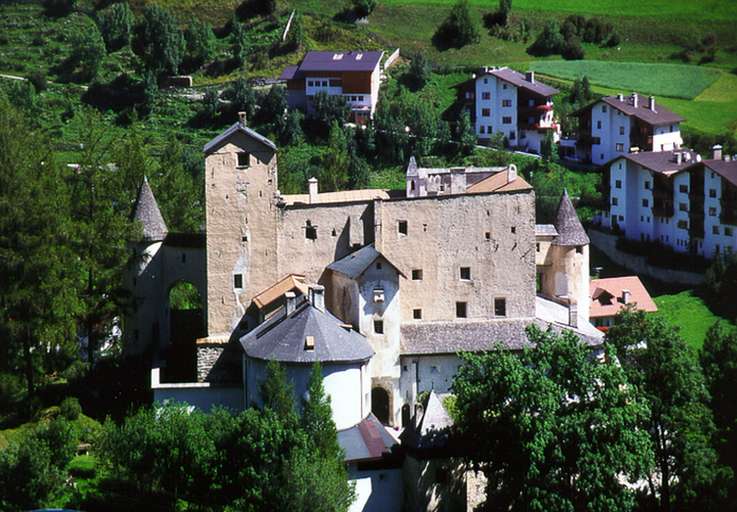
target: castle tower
<point>144,277</point>
<point>569,275</point>
<point>240,222</point>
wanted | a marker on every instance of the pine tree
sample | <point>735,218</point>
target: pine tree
<point>276,391</point>
<point>336,160</point>
<point>240,43</point>
<point>317,418</point>
<point>158,41</point>
<point>39,299</point>
<point>465,135</point>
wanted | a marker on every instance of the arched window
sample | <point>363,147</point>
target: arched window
<point>380,404</point>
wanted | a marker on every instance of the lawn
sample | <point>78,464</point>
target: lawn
<point>689,313</point>
<point>673,80</point>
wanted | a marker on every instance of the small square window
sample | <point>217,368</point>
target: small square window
<point>727,231</point>
<point>712,212</point>
<point>417,314</point>
<point>712,192</point>
<point>514,229</point>
<point>621,130</point>
<point>378,295</point>
<point>487,235</point>
<point>402,227</point>
<point>485,112</point>
<point>238,281</point>
<point>378,265</point>
<point>244,159</point>
<point>579,249</point>
<point>500,307</point>
<point>715,230</point>
<point>619,147</point>
<point>615,201</point>
<point>461,310</point>
<point>379,326</point>
<point>683,189</point>
<point>466,273</point>
<point>417,274</point>
<point>645,203</point>
<point>647,185</point>
<point>618,184</point>
<point>310,231</point>
<point>537,246</point>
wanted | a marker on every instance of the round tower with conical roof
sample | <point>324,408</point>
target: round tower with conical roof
<point>142,328</point>
<point>568,278</point>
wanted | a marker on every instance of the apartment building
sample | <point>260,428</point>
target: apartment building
<point>502,100</point>
<point>675,198</point>
<point>615,125</point>
<point>355,75</point>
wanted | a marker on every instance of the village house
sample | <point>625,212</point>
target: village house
<point>615,125</point>
<point>610,295</point>
<point>676,199</point>
<point>354,75</point>
<point>383,287</point>
<point>515,105</point>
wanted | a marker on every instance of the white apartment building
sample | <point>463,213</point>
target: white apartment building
<point>354,75</point>
<point>505,101</point>
<point>615,125</point>
<point>676,199</point>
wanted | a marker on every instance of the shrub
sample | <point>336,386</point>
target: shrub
<point>500,17</point>
<point>548,42</point>
<point>83,466</point>
<point>59,7</point>
<point>88,51</point>
<point>572,49</point>
<point>158,41</point>
<point>11,390</point>
<point>458,29</point>
<point>70,408</point>
<point>38,80</point>
<point>613,40</point>
<point>210,106</point>
<point>363,8</point>
<point>418,73</point>
<point>200,42</point>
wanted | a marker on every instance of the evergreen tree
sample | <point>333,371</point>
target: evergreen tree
<point>239,45</point>
<point>334,175</point>
<point>177,187</point>
<point>548,42</point>
<point>273,108</point>
<point>200,42</point>
<point>158,41</point>
<point>552,428</point>
<point>276,391</point>
<point>317,417</point>
<point>419,72</point>
<point>291,132</point>
<point>662,367</point>
<point>459,28</point>
<point>116,23</point>
<point>363,8</point>
<point>243,97</point>
<point>39,298</point>
<point>465,135</point>
<point>88,51</point>
<point>101,206</point>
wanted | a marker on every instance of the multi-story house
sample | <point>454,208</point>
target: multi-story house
<point>505,101</point>
<point>676,199</point>
<point>355,75</point>
<point>614,125</point>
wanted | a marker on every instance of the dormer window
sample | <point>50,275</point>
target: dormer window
<point>244,159</point>
<point>378,295</point>
<point>337,56</point>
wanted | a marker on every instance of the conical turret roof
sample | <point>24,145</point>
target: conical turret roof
<point>412,167</point>
<point>570,230</point>
<point>146,211</point>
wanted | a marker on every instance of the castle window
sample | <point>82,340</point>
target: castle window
<point>238,281</point>
<point>402,227</point>
<point>466,273</point>
<point>487,235</point>
<point>537,247</point>
<point>417,314</point>
<point>417,274</point>
<point>310,231</point>
<point>514,229</point>
<point>334,233</point>
<point>184,257</point>
<point>379,326</point>
<point>244,238</point>
<point>378,265</point>
<point>244,159</point>
<point>500,307</point>
<point>579,249</point>
<point>461,310</point>
<point>378,295</point>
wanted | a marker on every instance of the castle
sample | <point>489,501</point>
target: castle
<point>383,287</point>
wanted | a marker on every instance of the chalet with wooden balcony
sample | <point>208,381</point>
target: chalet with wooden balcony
<point>615,125</point>
<point>354,75</point>
<point>513,104</point>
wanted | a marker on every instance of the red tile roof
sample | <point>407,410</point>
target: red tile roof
<point>606,296</point>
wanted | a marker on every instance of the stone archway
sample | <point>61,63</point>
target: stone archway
<point>381,404</point>
<point>186,324</point>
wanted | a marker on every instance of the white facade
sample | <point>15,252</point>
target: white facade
<point>496,108</point>
<point>719,238</point>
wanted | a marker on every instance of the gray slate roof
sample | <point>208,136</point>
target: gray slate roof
<point>357,262</point>
<point>283,339</point>
<point>570,230</point>
<point>236,127</point>
<point>477,336</point>
<point>350,61</point>
<point>368,440</point>
<point>146,211</point>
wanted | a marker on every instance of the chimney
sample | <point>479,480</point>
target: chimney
<point>572,313</point>
<point>698,157</point>
<point>635,99</point>
<point>651,103</point>
<point>419,412</point>
<point>530,77</point>
<point>511,173</point>
<point>679,158</point>
<point>620,97</point>
<point>317,296</point>
<point>291,299</point>
<point>626,296</point>
<point>457,180</point>
<point>717,149</point>
<point>312,186</point>
<point>242,119</point>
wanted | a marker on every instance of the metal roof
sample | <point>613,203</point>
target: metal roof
<point>283,339</point>
<point>340,61</point>
<point>570,230</point>
<point>146,211</point>
<point>368,440</point>
<point>236,127</point>
<point>545,230</point>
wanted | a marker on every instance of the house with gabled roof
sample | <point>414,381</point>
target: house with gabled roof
<point>611,295</point>
<point>615,125</point>
<point>354,75</point>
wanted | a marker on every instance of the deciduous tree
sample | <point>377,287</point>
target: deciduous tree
<point>158,41</point>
